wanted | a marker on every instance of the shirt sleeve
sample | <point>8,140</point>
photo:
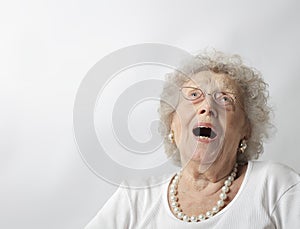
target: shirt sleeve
<point>286,214</point>
<point>114,214</point>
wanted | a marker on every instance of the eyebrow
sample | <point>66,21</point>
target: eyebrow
<point>228,89</point>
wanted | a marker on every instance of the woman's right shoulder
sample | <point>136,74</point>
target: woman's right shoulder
<point>147,188</point>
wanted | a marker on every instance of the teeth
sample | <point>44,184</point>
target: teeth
<point>203,137</point>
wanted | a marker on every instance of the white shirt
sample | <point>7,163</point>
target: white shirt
<point>269,197</point>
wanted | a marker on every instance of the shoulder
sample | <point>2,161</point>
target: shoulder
<point>148,188</point>
<point>276,176</point>
<point>131,202</point>
<point>146,199</point>
<point>274,169</point>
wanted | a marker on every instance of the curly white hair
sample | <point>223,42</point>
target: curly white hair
<point>254,96</point>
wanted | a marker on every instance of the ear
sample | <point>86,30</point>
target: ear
<point>172,125</point>
<point>248,131</point>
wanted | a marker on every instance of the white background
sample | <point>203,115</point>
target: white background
<point>46,49</point>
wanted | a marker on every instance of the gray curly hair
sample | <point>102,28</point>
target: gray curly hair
<point>254,96</point>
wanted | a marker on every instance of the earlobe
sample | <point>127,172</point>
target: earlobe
<point>242,146</point>
<point>171,137</point>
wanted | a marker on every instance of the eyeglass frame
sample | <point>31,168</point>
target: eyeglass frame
<point>204,94</point>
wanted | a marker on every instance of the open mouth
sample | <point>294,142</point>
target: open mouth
<point>204,132</point>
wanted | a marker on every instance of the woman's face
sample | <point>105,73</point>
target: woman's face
<point>208,130</point>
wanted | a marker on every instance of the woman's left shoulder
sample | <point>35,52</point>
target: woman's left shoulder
<point>276,172</point>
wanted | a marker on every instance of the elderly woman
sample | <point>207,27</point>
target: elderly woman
<point>215,117</point>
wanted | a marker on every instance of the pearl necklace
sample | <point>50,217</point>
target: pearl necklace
<point>173,194</point>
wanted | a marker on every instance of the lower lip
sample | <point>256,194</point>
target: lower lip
<point>205,140</point>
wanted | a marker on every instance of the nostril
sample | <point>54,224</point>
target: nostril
<point>202,111</point>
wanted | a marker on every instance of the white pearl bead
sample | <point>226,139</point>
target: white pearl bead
<point>225,189</point>
<point>177,209</point>
<point>235,170</point>
<point>233,174</point>
<point>193,218</point>
<point>220,203</point>
<point>201,217</point>
<point>209,214</point>
<point>173,198</point>
<point>173,191</point>
<point>186,218</point>
<point>230,178</point>
<point>223,196</point>
<point>227,183</point>
<point>215,209</point>
<point>174,204</point>
<point>180,215</point>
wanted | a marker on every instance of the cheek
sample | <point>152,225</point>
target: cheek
<point>176,124</point>
<point>186,112</point>
<point>181,121</point>
<point>237,123</point>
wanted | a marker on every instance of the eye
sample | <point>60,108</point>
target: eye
<point>223,98</point>
<point>193,94</point>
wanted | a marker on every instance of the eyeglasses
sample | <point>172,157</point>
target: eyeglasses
<point>221,98</point>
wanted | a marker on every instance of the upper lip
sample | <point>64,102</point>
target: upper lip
<point>204,124</point>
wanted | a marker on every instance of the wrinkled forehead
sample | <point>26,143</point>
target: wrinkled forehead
<point>210,81</point>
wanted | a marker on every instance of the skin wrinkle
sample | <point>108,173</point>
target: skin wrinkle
<point>193,205</point>
<point>253,93</point>
<point>207,165</point>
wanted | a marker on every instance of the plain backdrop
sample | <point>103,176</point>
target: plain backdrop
<point>46,49</point>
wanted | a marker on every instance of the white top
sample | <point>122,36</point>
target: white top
<point>269,197</point>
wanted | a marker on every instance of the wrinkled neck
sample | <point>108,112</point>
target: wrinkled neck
<point>209,181</point>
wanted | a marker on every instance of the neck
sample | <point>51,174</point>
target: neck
<point>209,181</point>
<point>185,209</point>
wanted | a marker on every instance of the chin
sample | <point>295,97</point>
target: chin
<point>196,157</point>
<point>203,158</point>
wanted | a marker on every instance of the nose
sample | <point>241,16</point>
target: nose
<point>206,107</point>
